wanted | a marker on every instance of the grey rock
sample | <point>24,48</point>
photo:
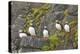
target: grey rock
<point>60,7</point>
<point>73,10</point>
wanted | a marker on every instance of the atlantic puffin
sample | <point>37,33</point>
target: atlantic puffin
<point>22,34</point>
<point>58,25</point>
<point>66,27</point>
<point>31,30</point>
<point>23,40</point>
<point>45,33</point>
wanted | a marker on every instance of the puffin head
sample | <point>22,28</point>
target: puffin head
<point>57,21</point>
<point>45,27</point>
<point>19,16</point>
<point>20,31</point>
<point>66,22</point>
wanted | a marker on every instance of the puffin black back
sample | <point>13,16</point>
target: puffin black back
<point>35,26</point>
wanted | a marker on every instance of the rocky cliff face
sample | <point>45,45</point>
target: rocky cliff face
<point>44,14</point>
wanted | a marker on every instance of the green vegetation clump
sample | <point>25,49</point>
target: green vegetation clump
<point>58,38</point>
<point>34,17</point>
<point>54,41</point>
<point>45,48</point>
<point>40,15</point>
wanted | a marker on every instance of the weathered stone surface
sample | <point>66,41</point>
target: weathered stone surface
<point>73,10</point>
<point>60,7</point>
<point>29,41</point>
<point>19,8</point>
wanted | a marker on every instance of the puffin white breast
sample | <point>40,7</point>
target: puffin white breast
<point>45,33</point>
<point>22,35</point>
<point>67,28</point>
<point>58,26</point>
<point>32,31</point>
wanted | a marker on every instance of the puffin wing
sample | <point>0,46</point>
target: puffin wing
<point>61,26</point>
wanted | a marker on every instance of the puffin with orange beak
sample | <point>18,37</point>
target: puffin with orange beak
<point>31,30</point>
<point>58,25</point>
<point>45,33</point>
